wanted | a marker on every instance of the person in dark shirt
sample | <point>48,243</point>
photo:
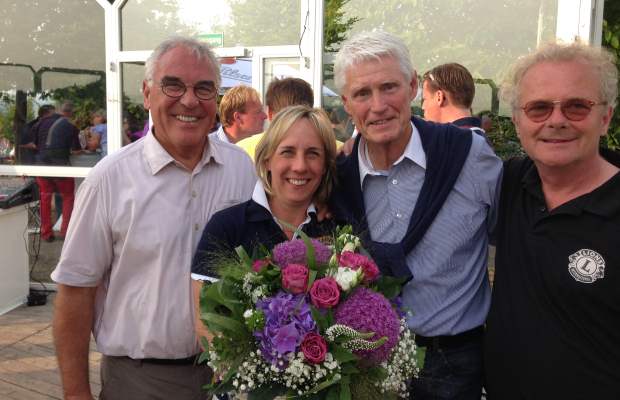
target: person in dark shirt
<point>448,92</point>
<point>55,138</point>
<point>553,331</point>
<point>295,162</point>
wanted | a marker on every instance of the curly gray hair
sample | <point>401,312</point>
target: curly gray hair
<point>601,61</point>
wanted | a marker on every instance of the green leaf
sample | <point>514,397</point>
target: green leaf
<point>343,355</point>
<point>420,355</point>
<point>389,286</point>
<point>236,328</point>
<point>266,392</point>
<point>309,251</point>
<point>319,318</point>
<point>333,393</point>
<point>615,43</point>
<point>311,277</point>
<point>349,369</point>
<point>243,256</point>
<point>345,389</point>
<point>323,385</point>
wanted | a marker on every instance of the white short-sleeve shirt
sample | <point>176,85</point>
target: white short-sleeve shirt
<point>137,221</point>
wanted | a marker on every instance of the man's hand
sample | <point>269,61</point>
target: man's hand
<point>73,320</point>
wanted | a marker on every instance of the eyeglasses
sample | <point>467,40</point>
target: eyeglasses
<point>203,90</point>
<point>572,109</point>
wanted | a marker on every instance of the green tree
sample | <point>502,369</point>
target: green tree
<point>336,25</point>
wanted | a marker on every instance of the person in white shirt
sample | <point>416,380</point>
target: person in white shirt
<point>242,115</point>
<point>124,272</point>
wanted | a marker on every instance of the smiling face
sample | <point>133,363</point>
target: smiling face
<point>297,166</point>
<point>181,124</point>
<point>378,97</point>
<point>558,141</point>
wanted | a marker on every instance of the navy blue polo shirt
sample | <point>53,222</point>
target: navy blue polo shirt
<point>249,225</point>
<point>553,331</point>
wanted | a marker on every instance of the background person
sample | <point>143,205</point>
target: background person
<point>553,329</point>
<point>124,272</point>
<point>448,92</point>
<point>56,139</point>
<point>281,93</point>
<point>241,114</point>
<point>98,133</point>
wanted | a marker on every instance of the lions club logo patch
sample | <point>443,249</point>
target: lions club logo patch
<point>586,266</point>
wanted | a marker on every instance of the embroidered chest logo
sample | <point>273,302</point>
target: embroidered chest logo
<point>586,266</point>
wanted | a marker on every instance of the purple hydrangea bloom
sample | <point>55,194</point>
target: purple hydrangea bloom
<point>294,252</point>
<point>287,320</point>
<point>368,311</point>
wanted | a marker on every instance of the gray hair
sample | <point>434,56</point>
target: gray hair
<point>199,49</point>
<point>600,60</point>
<point>369,46</point>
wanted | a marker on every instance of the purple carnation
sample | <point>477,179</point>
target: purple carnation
<point>287,321</point>
<point>294,252</point>
<point>368,311</point>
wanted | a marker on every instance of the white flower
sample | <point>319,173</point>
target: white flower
<point>247,314</point>
<point>348,278</point>
<point>349,242</point>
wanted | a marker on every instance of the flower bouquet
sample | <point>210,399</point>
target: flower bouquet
<point>307,321</point>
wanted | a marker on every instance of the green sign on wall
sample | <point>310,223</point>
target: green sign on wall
<point>213,39</point>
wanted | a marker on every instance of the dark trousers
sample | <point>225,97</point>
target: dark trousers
<point>125,379</point>
<point>451,372</point>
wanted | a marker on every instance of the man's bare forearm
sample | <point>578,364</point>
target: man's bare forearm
<point>73,321</point>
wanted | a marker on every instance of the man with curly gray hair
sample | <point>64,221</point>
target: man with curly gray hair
<point>422,195</point>
<point>554,326</point>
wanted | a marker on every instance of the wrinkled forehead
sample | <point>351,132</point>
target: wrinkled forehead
<point>387,67</point>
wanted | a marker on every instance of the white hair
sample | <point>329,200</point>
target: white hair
<point>199,49</point>
<point>371,46</point>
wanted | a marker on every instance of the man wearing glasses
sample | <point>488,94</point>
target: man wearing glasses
<point>553,331</point>
<point>124,272</point>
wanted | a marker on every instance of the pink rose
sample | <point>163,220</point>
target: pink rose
<point>325,293</point>
<point>356,261</point>
<point>295,278</point>
<point>258,265</point>
<point>314,348</point>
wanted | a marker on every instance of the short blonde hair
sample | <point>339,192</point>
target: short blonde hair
<point>600,60</point>
<point>277,131</point>
<point>235,100</point>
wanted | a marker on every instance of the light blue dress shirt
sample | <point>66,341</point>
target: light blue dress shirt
<point>450,291</point>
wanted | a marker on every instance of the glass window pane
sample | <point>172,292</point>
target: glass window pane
<point>225,23</point>
<point>48,58</point>
<point>485,36</point>
<point>278,68</point>
<point>135,117</point>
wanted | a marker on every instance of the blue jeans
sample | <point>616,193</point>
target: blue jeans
<point>453,373</point>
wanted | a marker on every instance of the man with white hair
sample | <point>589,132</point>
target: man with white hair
<point>554,325</point>
<point>423,197</point>
<point>124,272</point>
